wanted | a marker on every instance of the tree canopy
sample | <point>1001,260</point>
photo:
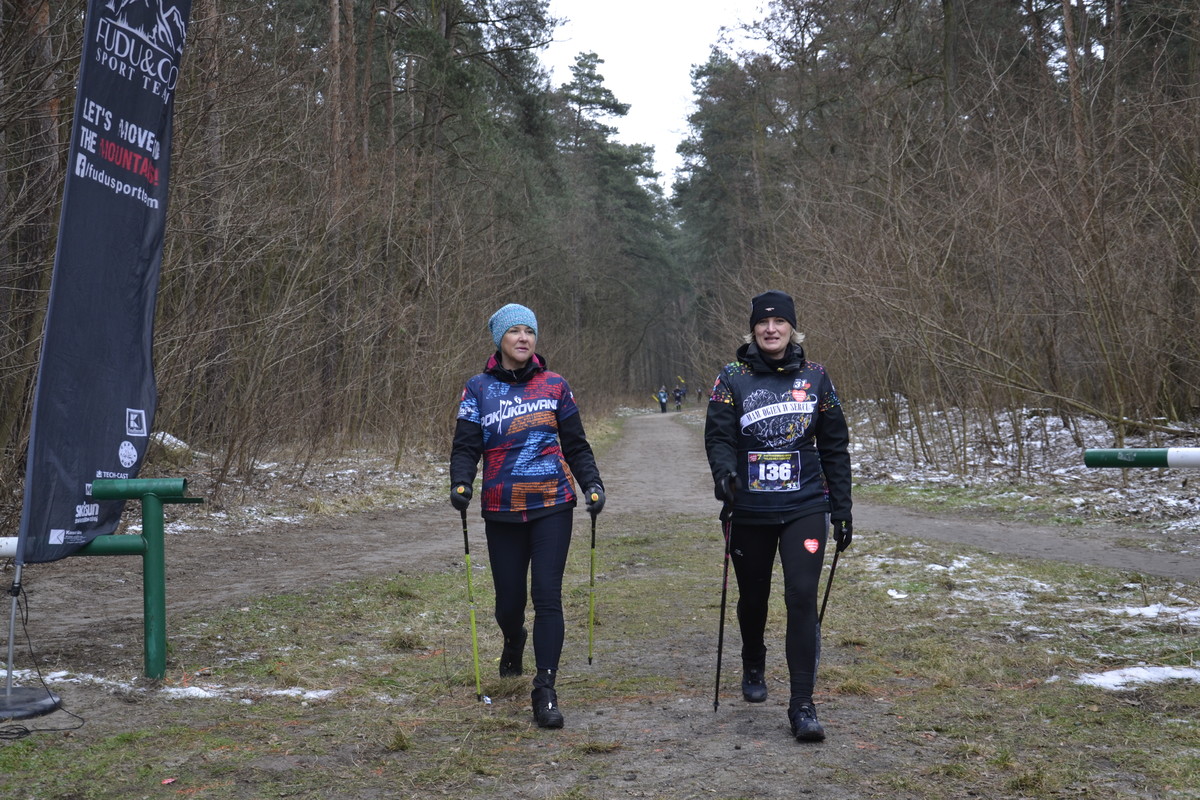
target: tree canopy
<point>976,204</point>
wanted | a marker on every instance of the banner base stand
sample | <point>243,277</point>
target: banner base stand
<point>26,702</point>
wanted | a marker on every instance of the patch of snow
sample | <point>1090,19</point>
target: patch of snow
<point>961,562</point>
<point>1127,678</point>
<point>193,692</point>
<point>190,693</point>
<point>1154,611</point>
<point>1041,449</point>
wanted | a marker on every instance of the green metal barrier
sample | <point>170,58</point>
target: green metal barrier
<point>1143,457</point>
<point>153,492</point>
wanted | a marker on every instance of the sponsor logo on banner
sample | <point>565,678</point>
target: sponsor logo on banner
<point>141,40</point>
<point>87,512</point>
<point>135,422</point>
<point>61,536</point>
<point>128,454</point>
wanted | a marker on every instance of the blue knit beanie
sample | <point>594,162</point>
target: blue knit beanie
<point>505,318</point>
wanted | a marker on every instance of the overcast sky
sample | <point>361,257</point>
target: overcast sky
<point>649,48</point>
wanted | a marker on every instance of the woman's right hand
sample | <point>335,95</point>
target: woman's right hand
<point>460,496</point>
<point>725,489</point>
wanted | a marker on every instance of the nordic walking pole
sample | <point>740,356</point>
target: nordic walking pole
<point>726,524</point>
<point>592,587</point>
<point>471,603</point>
<point>828,584</point>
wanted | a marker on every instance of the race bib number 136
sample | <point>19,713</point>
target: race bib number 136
<point>773,472</point>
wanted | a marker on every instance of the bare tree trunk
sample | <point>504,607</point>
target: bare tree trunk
<point>1184,389</point>
<point>950,24</point>
<point>31,255</point>
<point>336,123</point>
<point>1074,89</point>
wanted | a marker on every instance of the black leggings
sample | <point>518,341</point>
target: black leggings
<point>515,547</point>
<point>752,549</point>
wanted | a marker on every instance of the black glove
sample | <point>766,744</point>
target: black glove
<point>843,533</point>
<point>595,499</point>
<point>726,489</point>
<point>460,496</point>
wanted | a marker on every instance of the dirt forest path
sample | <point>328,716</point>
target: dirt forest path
<point>85,615</point>
<point>658,468</point>
<point>660,464</point>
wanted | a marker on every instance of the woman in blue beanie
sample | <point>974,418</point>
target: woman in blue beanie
<point>522,419</point>
<point>778,447</point>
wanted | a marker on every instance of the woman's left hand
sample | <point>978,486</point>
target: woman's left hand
<point>595,499</point>
<point>843,533</point>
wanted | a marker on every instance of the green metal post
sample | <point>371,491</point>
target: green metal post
<point>1143,457</point>
<point>135,488</point>
<point>122,545</point>
<point>154,587</point>
<point>150,545</point>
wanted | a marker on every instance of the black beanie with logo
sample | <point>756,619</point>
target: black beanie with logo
<point>772,304</point>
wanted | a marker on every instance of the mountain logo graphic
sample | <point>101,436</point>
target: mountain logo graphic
<point>162,28</point>
<point>141,41</point>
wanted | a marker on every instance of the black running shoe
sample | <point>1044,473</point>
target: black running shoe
<point>511,655</point>
<point>545,708</point>
<point>804,723</point>
<point>754,686</point>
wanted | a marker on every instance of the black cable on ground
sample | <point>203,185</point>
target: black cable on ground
<point>13,732</point>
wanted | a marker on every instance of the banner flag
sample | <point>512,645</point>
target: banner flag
<point>96,394</point>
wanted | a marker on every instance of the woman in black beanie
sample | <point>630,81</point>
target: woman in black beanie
<point>778,447</point>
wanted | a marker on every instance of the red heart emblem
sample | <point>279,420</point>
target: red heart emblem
<point>812,545</point>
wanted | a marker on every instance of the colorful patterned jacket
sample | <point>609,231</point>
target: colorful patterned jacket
<point>780,429</point>
<point>526,426</point>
